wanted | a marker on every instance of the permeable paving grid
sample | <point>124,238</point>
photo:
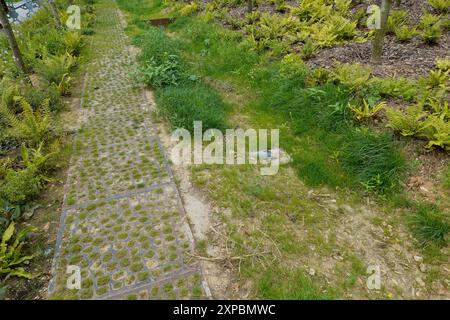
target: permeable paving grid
<point>123,225</point>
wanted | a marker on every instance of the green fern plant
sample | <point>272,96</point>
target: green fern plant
<point>439,107</point>
<point>442,64</point>
<point>73,42</point>
<point>354,76</point>
<point>53,68</point>
<point>11,257</point>
<point>437,79</point>
<point>396,19</point>
<point>431,34</point>
<point>442,6</point>
<point>409,123</point>
<point>366,111</point>
<point>405,33</point>
<point>35,159</point>
<point>437,131</point>
<point>428,20</point>
<point>31,126</point>
<point>64,85</point>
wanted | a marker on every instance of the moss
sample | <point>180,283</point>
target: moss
<point>136,267</point>
<point>143,276</point>
<point>87,294</point>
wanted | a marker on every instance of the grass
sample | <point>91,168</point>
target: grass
<point>278,218</point>
<point>282,284</point>
<point>430,226</point>
<point>378,164</point>
<point>182,105</point>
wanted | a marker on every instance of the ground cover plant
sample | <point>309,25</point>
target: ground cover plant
<point>364,124</point>
<point>33,143</point>
<point>338,124</point>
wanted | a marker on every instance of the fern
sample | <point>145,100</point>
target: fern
<point>442,6</point>
<point>353,76</point>
<point>437,132</point>
<point>366,111</point>
<point>31,126</point>
<point>73,42</point>
<point>11,257</point>
<point>409,123</point>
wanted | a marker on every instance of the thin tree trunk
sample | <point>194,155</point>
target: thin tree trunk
<point>249,6</point>
<point>17,56</point>
<point>55,13</point>
<point>377,46</point>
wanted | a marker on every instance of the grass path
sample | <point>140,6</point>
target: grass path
<point>122,223</point>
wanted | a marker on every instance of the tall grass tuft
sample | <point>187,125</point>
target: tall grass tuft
<point>374,159</point>
<point>430,226</point>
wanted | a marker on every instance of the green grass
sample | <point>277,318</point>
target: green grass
<point>182,105</point>
<point>430,226</point>
<point>446,180</point>
<point>375,159</point>
<point>282,284</point>
<point>316,130</point>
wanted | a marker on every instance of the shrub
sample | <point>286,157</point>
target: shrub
<point>184,104</point>
<point>374,159</point>
<point>437,131</point>
<point>189,9</point>
<point>430,226</point>
<point>428,20</point>
<point>308,49</point>
<point>22,186</point>
<point>292,66</point>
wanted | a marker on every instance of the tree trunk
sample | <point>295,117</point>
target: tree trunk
<point>17,56</point>
<point>249,6</point>
<point>377,46</point>
<point>55,13</point>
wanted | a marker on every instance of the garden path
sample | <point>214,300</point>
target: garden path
<point>123,223</point>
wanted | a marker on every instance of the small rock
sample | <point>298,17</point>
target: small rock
<point>418,258</point>
<point>420,282</point>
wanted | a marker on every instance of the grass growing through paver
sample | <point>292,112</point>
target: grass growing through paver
<point>287,228</point>
<point>121,220</point>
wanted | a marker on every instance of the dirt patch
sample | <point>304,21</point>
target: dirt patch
<point>411,60</point>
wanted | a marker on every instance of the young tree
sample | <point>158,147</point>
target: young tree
<point>377,46</point>
<point>17,56</point>
<point>55,13</point>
